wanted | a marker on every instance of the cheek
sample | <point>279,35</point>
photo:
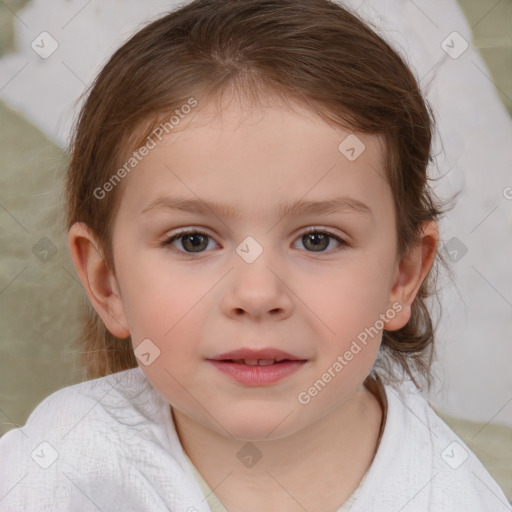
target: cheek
<point>351,295</point>
<point>164,307</point>
<point>161,303</point>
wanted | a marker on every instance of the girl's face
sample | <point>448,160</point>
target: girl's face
<point>253,278</point>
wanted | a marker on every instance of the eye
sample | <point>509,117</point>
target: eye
<point>319,240</point>
<point>194,241</point>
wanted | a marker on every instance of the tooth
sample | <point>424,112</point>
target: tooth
<point>265,362</point>
<point>251,362</point>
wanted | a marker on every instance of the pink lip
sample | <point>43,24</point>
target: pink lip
<point>257,375</point>
<point>247,353</point>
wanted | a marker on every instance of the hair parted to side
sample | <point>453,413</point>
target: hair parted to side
<point>315,53</point>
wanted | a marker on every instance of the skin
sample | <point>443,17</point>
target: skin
<point>311,304</point>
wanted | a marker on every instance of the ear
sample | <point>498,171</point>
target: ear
<point>97,279</point>
<point>410,274</point>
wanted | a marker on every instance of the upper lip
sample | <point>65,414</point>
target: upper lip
<point>266,353</point>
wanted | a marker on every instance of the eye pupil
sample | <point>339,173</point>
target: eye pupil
<point>199,239</point>
<point>318,239</point>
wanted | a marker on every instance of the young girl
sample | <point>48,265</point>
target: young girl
<point>250,217</point>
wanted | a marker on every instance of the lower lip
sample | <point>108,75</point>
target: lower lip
<point>257,375</point>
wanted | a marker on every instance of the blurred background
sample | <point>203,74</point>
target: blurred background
<point>50,52</point>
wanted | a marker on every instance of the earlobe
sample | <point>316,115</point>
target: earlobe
<point>97,279</point>
<point>411,273</point>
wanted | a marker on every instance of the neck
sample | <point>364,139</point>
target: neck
<point>336,450</point>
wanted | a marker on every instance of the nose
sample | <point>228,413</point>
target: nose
<point>258,289</point>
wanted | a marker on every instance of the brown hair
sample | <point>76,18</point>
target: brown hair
<point>312,51</point>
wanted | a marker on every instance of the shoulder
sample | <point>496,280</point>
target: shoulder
<point>66,408</point>
<point>107,444</point>
<point>421,462</point>
<point>77,411</point>
<point>79,438</point>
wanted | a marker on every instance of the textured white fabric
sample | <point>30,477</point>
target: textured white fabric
<point>117,450</point>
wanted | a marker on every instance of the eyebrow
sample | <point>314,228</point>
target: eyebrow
<point>296,208</point>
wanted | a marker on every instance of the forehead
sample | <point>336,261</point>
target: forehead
<point>253,157</point>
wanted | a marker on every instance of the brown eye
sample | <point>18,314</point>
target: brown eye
<point>189,241</point>
<point>318,241</point>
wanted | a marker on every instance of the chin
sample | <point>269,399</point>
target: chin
<point>255,425</point>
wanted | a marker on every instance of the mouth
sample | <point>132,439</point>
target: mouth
<point>260,357</point>
<point>257,367</point>
<point>257,362</point>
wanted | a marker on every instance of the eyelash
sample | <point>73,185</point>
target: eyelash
<point>184,232</point>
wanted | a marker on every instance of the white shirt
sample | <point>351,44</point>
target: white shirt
<point>110,444</point>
